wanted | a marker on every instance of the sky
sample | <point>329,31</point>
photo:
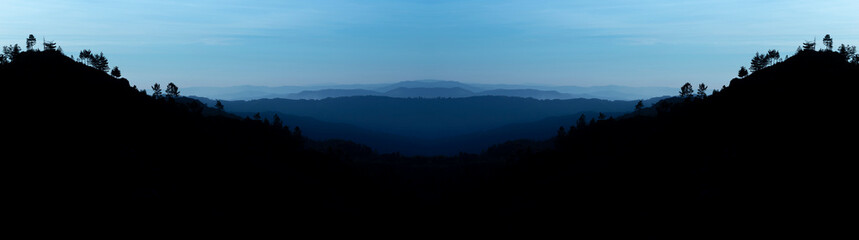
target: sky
<point>323,42</point>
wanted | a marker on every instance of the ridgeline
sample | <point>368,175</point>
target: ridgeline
<point>88,149</point>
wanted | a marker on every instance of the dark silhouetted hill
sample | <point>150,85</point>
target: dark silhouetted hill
<point>473,143</point>
<point>769,155</point>
<point>528,93</point>
<point>756,152</point>
<point>429,118</point>
<point>88,149</point>
<point>329,93</point>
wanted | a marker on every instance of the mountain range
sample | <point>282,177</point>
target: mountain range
<point>426,126</point>
<point>429,89</point>
<point>768,155</point>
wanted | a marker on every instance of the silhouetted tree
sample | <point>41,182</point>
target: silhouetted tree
<point>582,122</point>
<point>115,72</point>
<point>639,105</point>
<point>601,116</point>
<point>85,56</point>
<point>172,90</point>
<point>156,91</point>
<point>743,72</point>
<point>702,90</point>
<point>276,122</point>
<point>847,51</point>
<point>686,90</point>
<point>257,117</point>
<point>49,45</point>
<point>827,42</point>
<point>31,42</point>
<point>99,62</point>
<point>219,105</point>
<point>3,59</point>
<point>11,52</point>
<point>808,46</point>
<point>562,132</point>
<point>759,62</point>
<point>297,132</point>
<point>772,57</point>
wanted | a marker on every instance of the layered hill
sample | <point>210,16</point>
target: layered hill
<point>756,152</point>
<point>430,89</point>
<point>768,155</point>
<point>429,118</point>
<point>89,150</point>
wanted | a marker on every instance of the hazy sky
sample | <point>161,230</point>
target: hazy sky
<point>280,42</point>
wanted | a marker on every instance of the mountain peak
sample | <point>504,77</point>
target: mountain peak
<point>429,83</point>
<point>429,92</point>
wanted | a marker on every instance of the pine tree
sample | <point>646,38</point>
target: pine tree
<point>49,45</point>
<point>219,105</point>
<point>582,122</point>
<point>156,91</point>
<point>85,56</point>
<point>639,105</point>
<point>115,72</point>
<point>686,90</point>
<point>99,62</point>
<point>11,52</point>
<point>702,90</point>
<point>827,43</point>
<point>31,42</point>
<point>743,72</point>
<point>172,90</point>
<point>759,61</point>
<point>276,122</point>
<point>809,46</point>
<point>847,51</point>
<point>772,57</point>
<point>297,132</point>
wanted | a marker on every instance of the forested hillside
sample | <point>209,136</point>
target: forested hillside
<point>770,151</point>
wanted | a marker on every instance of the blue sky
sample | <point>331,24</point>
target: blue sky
<point>275,43</point>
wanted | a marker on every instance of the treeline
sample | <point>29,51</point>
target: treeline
<point>86,56</point>
<point>748,153</point>
<point>770,58</point>
<point>739,157</point>
<point>761,61</point>
<point>688,94</point>
<point>121,154</point>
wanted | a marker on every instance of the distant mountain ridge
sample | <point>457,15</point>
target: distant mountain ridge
<point>429,118</point>
<point>430,89</point>
<point>429,84</point>
<point>473,142</point>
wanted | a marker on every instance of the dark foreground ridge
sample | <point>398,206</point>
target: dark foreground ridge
<point>89,151</point>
